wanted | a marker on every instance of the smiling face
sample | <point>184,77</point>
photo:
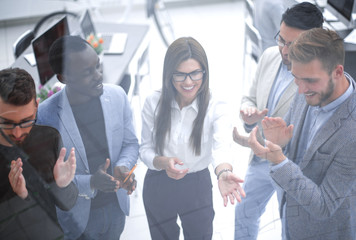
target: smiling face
<point>318,87</point>
<point>17,114</point>
<point>287,35</point>
<point>83,75</point>
<point>188,89</point>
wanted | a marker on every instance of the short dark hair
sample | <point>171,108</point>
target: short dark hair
<point>322,44</point>
<point>61,48</point>
<point>16,86</point>
<point>303,16</point>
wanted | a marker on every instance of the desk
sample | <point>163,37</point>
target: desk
<point>115,66</point>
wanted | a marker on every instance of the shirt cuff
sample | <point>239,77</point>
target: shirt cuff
<point>275,167</point>
<point>147,158</point>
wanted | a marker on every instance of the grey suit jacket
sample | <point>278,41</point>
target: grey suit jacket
<point>320,191</point>
<point>122,143</point>
<point>260,88</point>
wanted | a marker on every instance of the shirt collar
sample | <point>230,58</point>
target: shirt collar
<point>284,68</point>
<point>285,75</point>
<point>193,105</point>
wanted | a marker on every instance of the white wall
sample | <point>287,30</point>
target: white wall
<point>18,9</point>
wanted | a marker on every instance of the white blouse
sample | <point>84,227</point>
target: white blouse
<point>216,140</point>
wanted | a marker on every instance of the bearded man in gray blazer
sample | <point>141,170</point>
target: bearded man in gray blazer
<point>271,93</point>
<point>317,170</point>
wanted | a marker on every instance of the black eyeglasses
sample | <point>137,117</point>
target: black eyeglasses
<point>281,42</point>
<point>195,76</point>
<point>24,124</point>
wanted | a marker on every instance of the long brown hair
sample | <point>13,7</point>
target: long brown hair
<point>179,51</point>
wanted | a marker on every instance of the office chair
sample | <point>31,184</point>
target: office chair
<point>47,20</point>
<point>24,41</point>
<point>143,70</point>
<point>252,48</point>
<point>249,18</point>
<point>157,9</point>
<point>253,37</point>
<point>131,82</point>
<point>249,10</point>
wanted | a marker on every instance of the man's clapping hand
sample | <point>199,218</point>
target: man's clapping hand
<point>17,180</point>
<point>64,171</point>
<point>252,115</point>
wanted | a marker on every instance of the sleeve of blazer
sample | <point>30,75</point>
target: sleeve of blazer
<point>130,147</point>
<point>64,198</point>
<point>321,200</point>
<point>47,114</point>
<point>249,99</point>
<point>269,60</point>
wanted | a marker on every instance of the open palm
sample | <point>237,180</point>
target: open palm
<point>276,130</point>
<point>64,171</point>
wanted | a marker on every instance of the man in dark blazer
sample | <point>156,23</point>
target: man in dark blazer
<point>34,178</point>
<point>317,170</point>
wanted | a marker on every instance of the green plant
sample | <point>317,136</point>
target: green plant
<point>46,92</point>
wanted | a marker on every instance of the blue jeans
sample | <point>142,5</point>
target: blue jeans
<point>259,188</point>
<point>105,222</point>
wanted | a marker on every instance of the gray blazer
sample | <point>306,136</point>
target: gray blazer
<point>122,143</point>
<point>320,191</point>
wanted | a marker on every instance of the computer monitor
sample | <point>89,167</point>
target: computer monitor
<point>42,44</point>
<point>342,10</point>
<point>87,25</point>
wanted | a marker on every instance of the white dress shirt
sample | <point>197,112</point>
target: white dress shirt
<point>216,135</point>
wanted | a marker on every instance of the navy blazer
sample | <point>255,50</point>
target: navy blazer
<point>122,144</point>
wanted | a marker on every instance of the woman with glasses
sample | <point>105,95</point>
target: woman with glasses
<point>184,130</point>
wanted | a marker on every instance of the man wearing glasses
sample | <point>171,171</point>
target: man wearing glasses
<point>32,180</point>
<point>316,168</point>
<point>270,94</point>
